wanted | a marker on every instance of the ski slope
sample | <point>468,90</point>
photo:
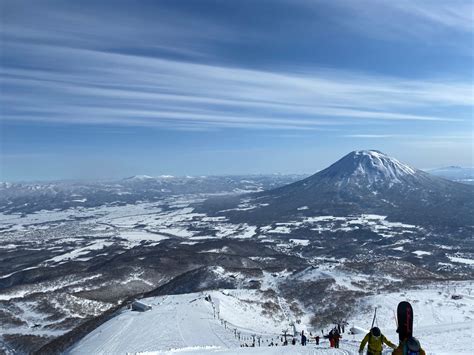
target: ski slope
<point>293,350</point>
<point>186,324</point>
<point>174,322</point>
<point>189,324</point>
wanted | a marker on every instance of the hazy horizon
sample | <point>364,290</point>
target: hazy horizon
<point>165,175</point>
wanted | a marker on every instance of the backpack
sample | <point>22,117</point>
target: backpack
<point>412,347</point>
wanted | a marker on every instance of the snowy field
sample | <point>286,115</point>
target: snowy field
<point>148,224</point>
<point>189,324</point>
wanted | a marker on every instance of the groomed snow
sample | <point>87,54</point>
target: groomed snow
<point>174,322</point>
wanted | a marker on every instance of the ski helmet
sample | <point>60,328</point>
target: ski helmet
<point>413,344</point>
<point>375,331</point>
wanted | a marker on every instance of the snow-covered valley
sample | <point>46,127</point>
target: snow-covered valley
<point>61,268</point>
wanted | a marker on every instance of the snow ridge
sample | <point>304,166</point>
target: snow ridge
<point>376,164</point>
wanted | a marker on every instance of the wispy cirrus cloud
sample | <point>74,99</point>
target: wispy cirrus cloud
<point>451,137</point>
<point>84,86</point>
<point>368,135</point>
<point>425,21</point>
<point>160,68</point>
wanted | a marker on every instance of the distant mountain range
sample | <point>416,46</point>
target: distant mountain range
<point>363,182</point>
<point>455,173</point>
<point>36,196</point>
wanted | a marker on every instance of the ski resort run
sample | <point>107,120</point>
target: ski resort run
<point>230,321</point>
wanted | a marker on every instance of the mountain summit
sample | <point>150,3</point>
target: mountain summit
<point>367,167</point>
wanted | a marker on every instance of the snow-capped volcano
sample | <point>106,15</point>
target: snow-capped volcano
<point>365,172</point>
<point>367,167</point>
<point>367,181</point>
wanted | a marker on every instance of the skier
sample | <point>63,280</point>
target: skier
<point>293,341</point>
<point>376,340</point>
<point>408,344</point>
<point>337,337</point>
<point>303,338</point>
<point>331,339</point>
<point>317,339</point>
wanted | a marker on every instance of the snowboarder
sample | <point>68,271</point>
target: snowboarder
<point>408,344</point>
<point>376,339</point>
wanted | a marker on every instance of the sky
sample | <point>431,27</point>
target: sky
<point>109,89</point>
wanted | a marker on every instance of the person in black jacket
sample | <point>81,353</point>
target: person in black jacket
<point>303,338</point>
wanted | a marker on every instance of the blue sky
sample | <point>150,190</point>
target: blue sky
<point>110,89</point>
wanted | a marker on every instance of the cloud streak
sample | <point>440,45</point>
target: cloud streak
<point>97,87</point>
<point>159,68</point>
<point>425,21</point>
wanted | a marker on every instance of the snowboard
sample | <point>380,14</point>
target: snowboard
<point>405,320</point>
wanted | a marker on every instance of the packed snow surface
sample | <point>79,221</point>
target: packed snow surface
<point>190,324</point>
<point>293,350</point>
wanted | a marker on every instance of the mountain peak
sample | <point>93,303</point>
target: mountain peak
<point>139,178</point>
<point>372,152</point>
<point>366,167</point>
